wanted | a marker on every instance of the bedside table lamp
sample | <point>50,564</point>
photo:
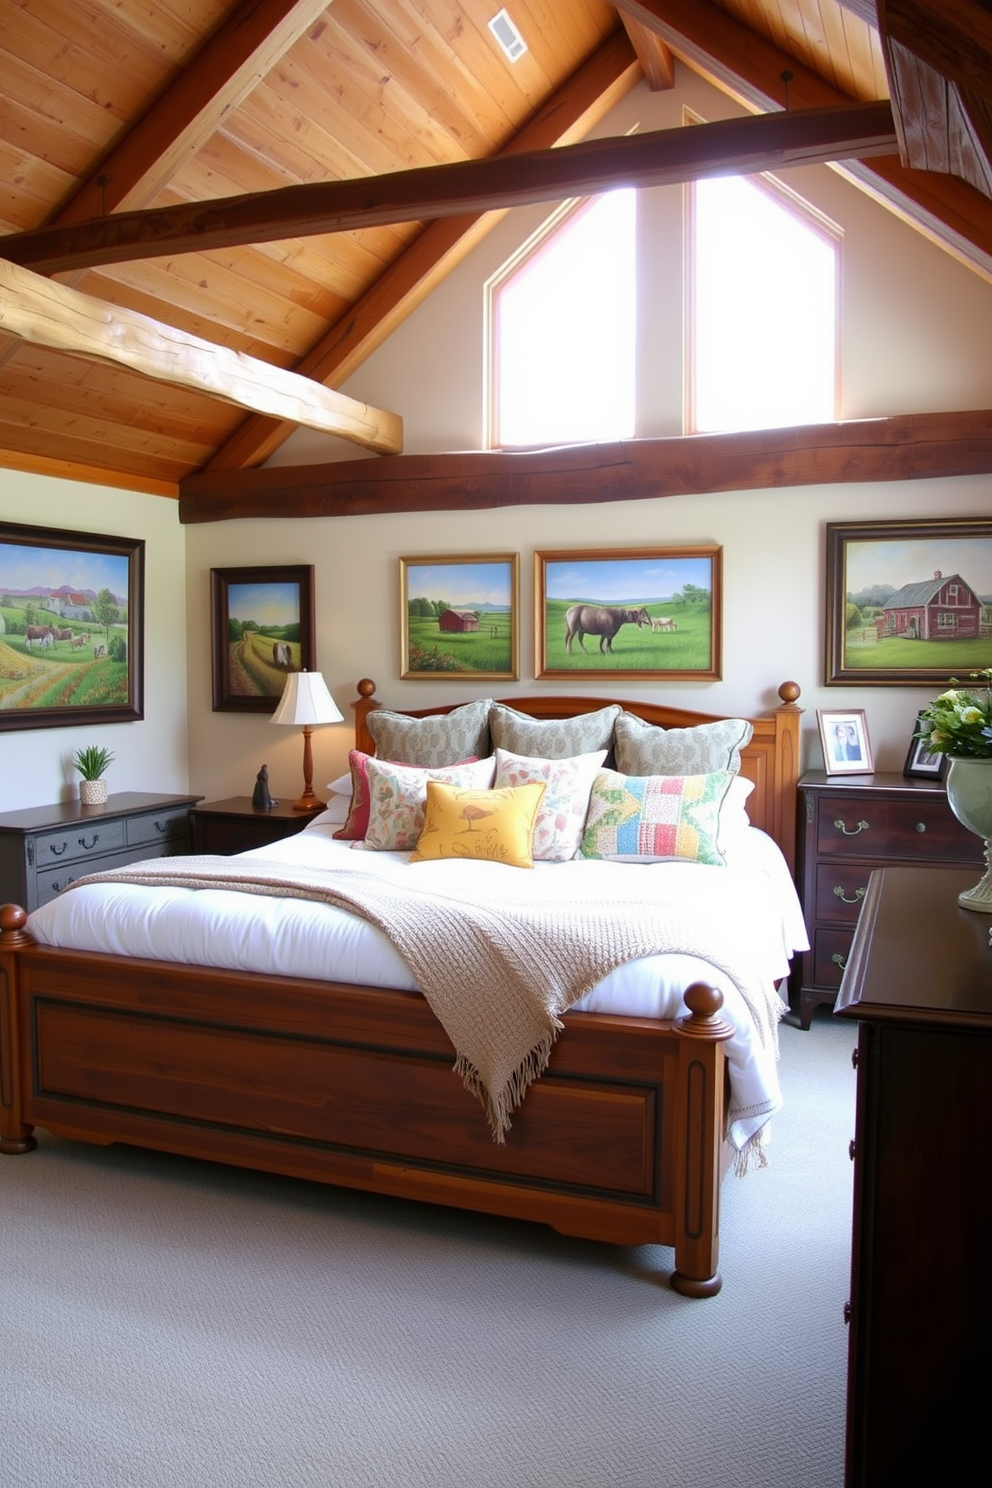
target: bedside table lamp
<point>306,702</point>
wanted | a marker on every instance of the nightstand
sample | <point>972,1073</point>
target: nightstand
<point>235,825</point>
<point>850,824</point>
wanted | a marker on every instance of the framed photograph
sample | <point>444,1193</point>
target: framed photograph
<point>846,746</point>
<point>629,612</point>
<point>458,617</point>
<point>71,628</point>
<point>908,603</point>
<point>920,762</point>
<point>262,622</point>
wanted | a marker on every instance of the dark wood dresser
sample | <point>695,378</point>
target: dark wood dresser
<point>848,825</point>
<point>919,981</point>
<point>45,848</point>
<point>235,825</point>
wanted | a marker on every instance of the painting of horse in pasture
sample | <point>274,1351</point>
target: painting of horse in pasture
<point>458,617</point>
<point>263,629</point>
<point>71,628</point>
<point>633,612</point>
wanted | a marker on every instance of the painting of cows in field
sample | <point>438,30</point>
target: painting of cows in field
<point>70,628</point>
<point>459,617</point>
<point>636,612</point>
<point>262,630</point>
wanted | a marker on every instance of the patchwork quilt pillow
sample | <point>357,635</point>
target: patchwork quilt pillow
<point>495,825</point>
<point>432,742</point>
<point>551,738</point>
<point>398,793</point>
<point>654,818</point>
<point>644,749</point>
<point>562,814</point>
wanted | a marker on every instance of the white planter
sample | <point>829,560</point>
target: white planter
<point>93,792</point>
<point>969,794</point>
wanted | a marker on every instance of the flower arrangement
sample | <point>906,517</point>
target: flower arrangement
<point>92,761</point>
<point>959,722</point>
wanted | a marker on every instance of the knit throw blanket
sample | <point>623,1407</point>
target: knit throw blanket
<point>497,977</point>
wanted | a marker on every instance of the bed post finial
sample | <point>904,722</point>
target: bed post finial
<point>363,707</point>
<point>790,692</point>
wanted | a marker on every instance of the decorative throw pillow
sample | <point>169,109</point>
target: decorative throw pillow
<point>643,749</point>
<point>734,820</point>
<point>397,794</point>
<point>435,741</point>
<point>497,825</point>
<point>651,818</point>
<point>551,738</point>
<point>562,814</point>
<point>356,820</point>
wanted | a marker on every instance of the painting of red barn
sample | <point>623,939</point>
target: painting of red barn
<point>458,617</point>
<point>908,602</point>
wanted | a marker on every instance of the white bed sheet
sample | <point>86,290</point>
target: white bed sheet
<point>293,937</point>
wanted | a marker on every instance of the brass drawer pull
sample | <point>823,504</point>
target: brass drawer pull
<point>920,827</point>
<point>861,827</point>
<point>859,894</point>
<point>839,959</point>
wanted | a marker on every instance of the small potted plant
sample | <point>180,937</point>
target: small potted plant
<point>91,763</point>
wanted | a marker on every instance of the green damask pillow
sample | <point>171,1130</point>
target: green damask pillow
<point>644,749</point>
<point>432,742</point>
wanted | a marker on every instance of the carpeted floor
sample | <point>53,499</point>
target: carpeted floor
<point>171,1324</point>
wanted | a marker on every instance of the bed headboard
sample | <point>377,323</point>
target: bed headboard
<point>771,760</point>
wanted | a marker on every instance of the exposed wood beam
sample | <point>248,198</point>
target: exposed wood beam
<point>747,67</point>
<point>909,447</point>
<point>214,82</point>
<point>568,116</point>
<point>656,60</point>
<point>48,314</point>
<point>663,157</point>
<point>953,36</point>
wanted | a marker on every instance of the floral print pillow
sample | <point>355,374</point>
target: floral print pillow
<point>398,796</point>
<point>562,813</point>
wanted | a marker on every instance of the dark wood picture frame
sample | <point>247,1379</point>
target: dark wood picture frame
<point>73,650</point>
<point>678,589</point>
<point>921,762</point>
<point>939,627</point>
<point>477,636</point>
<point>273,605</point>
<point>845,741</point>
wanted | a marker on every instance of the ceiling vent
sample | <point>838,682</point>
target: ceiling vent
<point>507,35</point>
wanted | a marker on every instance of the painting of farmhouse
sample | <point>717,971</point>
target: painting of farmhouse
<point>69,628</point>
<point>458,617</point>
<point>643,612</point>
<point>914,605</point>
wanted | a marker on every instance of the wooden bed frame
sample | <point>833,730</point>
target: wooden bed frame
<point>620,1140</point>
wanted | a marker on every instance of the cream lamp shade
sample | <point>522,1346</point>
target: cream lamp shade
<point>306,702</point>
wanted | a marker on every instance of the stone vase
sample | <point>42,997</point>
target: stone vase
<point>93,792</point>
<point>969,794</point>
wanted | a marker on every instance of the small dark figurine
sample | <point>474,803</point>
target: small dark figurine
<point>261,795</point>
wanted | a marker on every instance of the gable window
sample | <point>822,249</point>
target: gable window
<point>561,330</point>
<point>763,296</point>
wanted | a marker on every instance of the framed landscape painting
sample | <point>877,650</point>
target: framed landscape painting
<point>458,617</point>
<point>71,628</point>
<point>908,603</point>
<point>262,629</point>
<point>630,612</point>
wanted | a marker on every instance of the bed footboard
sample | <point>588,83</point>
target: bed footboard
<point>619,1141</point>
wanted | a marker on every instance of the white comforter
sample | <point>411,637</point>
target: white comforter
<point>294,937</point>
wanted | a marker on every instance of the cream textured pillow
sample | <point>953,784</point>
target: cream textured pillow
<point>643,749</point>
<point>562,815</point>
<point>432,742</point>
<point>652,818</point>
<point>496,825</point>
<point>551,738</point>
<point>397,794</point>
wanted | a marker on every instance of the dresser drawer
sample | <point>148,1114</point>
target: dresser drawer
<point>76,843</point>
<point>839,891</point>
<point>163,826</point>
<point>52,882</point>
<point>830,952</point>
<point>907,830</point>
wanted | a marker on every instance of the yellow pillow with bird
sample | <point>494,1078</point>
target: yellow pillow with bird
<point>496,825</point>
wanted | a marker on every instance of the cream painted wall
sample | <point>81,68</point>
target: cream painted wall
<point>149,755</point>
<point>917,336</point>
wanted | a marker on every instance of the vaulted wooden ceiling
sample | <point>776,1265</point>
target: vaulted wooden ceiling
<point>215,211</point>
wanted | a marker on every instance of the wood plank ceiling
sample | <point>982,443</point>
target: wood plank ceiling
<point>120,120</point>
